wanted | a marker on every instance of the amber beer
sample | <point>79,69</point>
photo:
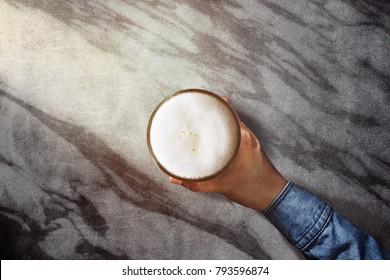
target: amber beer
<point>193,135</point>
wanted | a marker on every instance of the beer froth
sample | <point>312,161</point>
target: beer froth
<point>193,135</point>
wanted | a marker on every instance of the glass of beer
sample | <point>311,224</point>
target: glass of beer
<point>193,135</point>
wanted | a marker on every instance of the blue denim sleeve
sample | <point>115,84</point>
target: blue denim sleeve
<point>319,232</point>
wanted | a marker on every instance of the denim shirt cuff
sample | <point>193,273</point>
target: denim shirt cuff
<point>299,214</point>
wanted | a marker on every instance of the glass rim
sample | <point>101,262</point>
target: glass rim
<point>236,120</point>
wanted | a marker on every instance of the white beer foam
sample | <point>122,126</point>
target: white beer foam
<point>193,135</point>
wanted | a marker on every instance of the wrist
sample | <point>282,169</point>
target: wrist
<point>259,194</point>
<point>271,191</point>
<point>269,185</point>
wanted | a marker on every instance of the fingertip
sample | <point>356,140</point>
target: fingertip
<point>226,99</point>
<point>175,181</point>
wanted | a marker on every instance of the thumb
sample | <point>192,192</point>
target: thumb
<point>226,99</point>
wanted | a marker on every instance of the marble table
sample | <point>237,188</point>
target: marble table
<point>79,80</point>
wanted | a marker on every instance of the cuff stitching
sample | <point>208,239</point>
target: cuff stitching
<point>321,229</point>
<point>321,212</point>
<point>278,199</point>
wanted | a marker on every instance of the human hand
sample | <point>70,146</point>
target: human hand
<point>250,180</point>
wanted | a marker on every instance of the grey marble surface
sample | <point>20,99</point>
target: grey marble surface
<point>79,80</point>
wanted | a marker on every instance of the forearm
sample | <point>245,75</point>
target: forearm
<point>311,225</point>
